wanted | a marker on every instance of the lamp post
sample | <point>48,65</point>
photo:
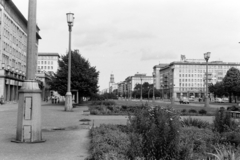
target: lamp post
<point>68,100</point>
<point>162,91</point>
<point>141,89</point>
<point>206,57</point>
<point>153,98</point>
<point>173,100</point>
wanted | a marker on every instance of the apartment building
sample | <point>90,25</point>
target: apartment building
<point>127,87</point>
<point>13,49</point>
<point>188,77</point>
<point>48,62</point>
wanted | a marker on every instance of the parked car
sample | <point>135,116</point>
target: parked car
<point>219,100</point>
<point>225,100</point>
<point>184,100</point>
<point>191,99</point>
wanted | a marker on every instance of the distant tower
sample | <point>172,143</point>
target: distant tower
<point>111,83</point>
<point>112,79</point>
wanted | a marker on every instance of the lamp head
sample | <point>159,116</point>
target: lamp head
<point>207,55</point>
<point>70,18</point>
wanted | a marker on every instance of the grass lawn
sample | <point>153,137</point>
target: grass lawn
<point>177,106</point>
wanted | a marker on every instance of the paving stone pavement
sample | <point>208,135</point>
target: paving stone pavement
<point>69,144</point>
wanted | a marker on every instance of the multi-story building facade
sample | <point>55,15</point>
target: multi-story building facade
<point>48,62</point>
<point>188,77</point>
<point>156,72</point>
<point>13,49</point>
<point>127,87</point>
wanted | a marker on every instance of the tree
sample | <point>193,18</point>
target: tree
<point>231,82</point>
<point>218,89</point>
<point>84,78</point>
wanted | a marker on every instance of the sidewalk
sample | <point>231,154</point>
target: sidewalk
<point>69,144</point>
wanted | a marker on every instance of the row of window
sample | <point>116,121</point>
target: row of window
<point>10,50</point>
<point>191,84</point>
<point>190,89</point>
<point>12,63</point>
<point>45,62</point>
<point>47,57</point>
<point>209,66</point>
<point>45,67</point>
<point>191,80</point>
<point>14,33</point>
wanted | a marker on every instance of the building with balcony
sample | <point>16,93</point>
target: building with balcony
<point>13,49</point>
<point>188,77</point>
<point>156,71</point>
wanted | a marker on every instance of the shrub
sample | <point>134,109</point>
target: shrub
<point>223,122</point>
<point>232,138</point>
<point>195,142</point>
<point>225,153</point>
<point>184,111</point>
<point>195,123</point>
<point>154,134</point>
<point>202,111</point>
<point>108,142</point>
<point>233,108</point>
<point>124,107</point>
<point>192,111</point>
<point>109,103</point>
<point>95,112</point>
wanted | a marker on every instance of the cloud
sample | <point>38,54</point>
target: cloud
<point>133,34</point>
<point>161,55</point>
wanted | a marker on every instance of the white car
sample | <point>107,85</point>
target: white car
<point>219,100</point>
<point>225,100</point>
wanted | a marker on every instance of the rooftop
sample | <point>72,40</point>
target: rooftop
<point>48,54</point>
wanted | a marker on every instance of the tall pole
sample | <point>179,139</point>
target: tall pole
<point>162,92</point>
<point>29,106</point>
<point>141,89</point>
<point>153,87</point>
<point>153,94</point>
<point>207,56</point>
<point>206,98</point>
<point>68,99</point>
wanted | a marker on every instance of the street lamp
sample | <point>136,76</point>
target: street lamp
<point>162,90</point>
<point>68,100</point>
<point>154,74</point>
<point>206,57</point>
<point>172,100</point>
<point>141,88</point>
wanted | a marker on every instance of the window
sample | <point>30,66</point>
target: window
<point>51,67</point>
<point>51,62</point>
<point>48,67</point>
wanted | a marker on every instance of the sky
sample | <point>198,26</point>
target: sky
<point>123,37</point>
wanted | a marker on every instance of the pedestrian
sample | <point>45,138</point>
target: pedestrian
<point>52,99</point>
<point>2,100</point>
